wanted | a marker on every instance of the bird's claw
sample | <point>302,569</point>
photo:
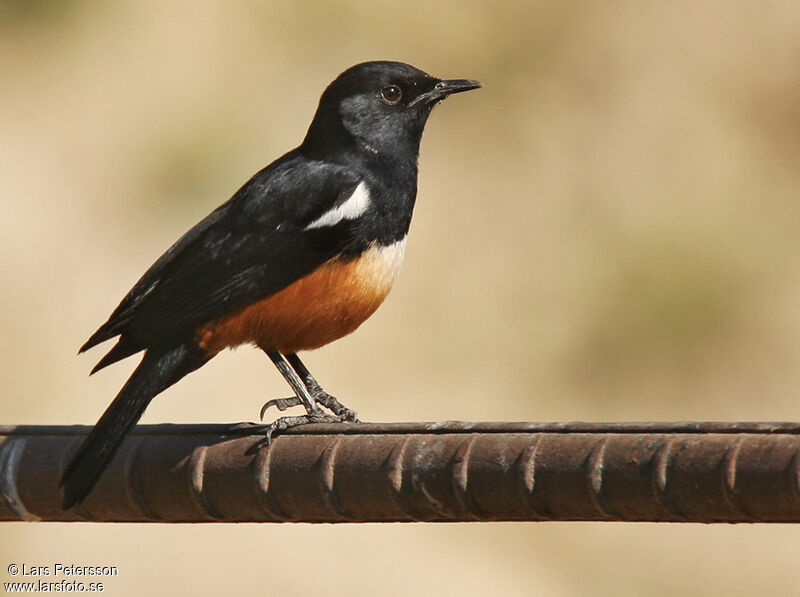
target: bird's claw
<point>284,423</point>
<point>342,413</point>
<point>346,415</point>
<point>336,407</point>
<point>280,403</point>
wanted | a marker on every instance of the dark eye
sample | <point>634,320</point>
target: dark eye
<point>391,94</point>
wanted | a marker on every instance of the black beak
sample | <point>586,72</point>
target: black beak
<point>445,88</point>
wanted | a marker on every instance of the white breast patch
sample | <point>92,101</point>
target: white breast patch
<point>380,265</point>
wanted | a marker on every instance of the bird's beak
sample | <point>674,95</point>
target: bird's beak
<point>445,88</point>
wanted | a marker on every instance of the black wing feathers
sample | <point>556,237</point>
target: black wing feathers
<point>249,248</point>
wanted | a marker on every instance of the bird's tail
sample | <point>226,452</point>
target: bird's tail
<point>159,369</point>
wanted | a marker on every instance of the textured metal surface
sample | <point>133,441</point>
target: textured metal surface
<point>451,471</point>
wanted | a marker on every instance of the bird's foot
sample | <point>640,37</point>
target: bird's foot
<point>333,405</point>
<point>284,423</point>
<point>337,408</point>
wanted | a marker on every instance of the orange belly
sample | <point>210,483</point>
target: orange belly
<point>323,306</point>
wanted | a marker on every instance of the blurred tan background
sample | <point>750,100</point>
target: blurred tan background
<point>610,230</point>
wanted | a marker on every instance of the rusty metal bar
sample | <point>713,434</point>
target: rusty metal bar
<point>451,471</point>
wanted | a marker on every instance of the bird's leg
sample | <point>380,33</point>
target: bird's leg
<point>313,389</point>
<point>302,397</point>
<point>318,393</point>
<point>301,392</point>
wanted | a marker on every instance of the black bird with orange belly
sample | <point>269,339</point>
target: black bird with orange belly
<point>300,256</point>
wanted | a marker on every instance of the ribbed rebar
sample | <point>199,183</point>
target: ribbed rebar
<point>452,471</point>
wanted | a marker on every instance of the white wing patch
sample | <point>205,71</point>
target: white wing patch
<point>353,207</point>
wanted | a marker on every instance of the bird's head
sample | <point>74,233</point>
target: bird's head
<point>381,107</point>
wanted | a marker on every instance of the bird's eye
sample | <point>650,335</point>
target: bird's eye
<point>391,94</point>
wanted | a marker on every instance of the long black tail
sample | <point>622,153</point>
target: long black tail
<point>159,369</point>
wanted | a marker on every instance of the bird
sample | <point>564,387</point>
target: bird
<point>302,254</point>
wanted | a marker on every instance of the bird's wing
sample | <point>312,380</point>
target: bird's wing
<point>249,248</point>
